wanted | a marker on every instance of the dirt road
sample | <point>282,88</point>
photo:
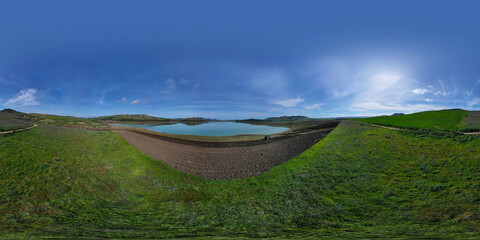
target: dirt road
<point>223,162</point>
<point>19,130</point>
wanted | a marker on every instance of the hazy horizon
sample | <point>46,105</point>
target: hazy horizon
<point>238,60</point>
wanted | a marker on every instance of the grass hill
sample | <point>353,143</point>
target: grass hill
<point>436,120</point>
<point>68,121</point>
<point>358,182</point>
<point>11,120</point>
<point>130,118</point>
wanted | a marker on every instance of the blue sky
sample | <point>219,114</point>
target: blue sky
<point>239,59</point>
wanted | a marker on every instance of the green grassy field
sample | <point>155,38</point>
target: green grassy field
<point>359,181</point>
<point>436,120</point>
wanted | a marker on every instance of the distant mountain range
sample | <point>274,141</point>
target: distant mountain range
<point>278,119</point>
<point>150,119</point>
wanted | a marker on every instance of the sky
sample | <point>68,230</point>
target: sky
<point>239,59</point>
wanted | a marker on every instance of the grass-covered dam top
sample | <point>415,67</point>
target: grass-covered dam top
<point>210,129</point>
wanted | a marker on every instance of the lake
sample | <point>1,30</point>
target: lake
<point>219,129</point>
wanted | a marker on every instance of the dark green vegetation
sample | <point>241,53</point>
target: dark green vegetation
<point>278,119</point>
<point>143,118</point>
<point>360,181</point>
<point>295,123</point>
<point>12,120</point>
<point>435,120</point>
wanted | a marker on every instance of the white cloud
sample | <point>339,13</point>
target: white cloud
<point>123,100</point>
<point>443,93</point>
<point>361,81</point>
<point>420,91</point>
<point>468,93</point>
<point>288,102</point>
<point>171,84</point>
<point>316,106</point>
<point>26,97</point>
<point>275,110</point>
<point>475,101</point>
<point>441,90</point>
<point>373,86</point>
<point>386,89</point>
<point>138,101</point>
<point>472,89</point>
<point>104,94</point>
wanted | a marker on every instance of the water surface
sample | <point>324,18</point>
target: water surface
<point>210,128</point>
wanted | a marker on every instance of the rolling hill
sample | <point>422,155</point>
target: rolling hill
<point>296,123</point>
<point>279,119</point>
<point>12,120</point>
<point>447,120</point>
<point>129,118</point>
<point>143,118</point>
<point>68,121</point>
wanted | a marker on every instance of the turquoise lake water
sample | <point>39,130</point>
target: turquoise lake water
<point>210,128</point>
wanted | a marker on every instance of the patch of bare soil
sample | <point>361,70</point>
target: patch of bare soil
<point>472,119</point>
<point>222,160</point>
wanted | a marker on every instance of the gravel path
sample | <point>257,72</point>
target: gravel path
<point>472,133</point>
<point>381,126</point>
<point>19,130</point>
<point>211,162</point>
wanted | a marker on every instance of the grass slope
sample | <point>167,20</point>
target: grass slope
<point>359,181</point>
<point>12,120</point>
<point>436,120</point>
<point>68,121</point>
